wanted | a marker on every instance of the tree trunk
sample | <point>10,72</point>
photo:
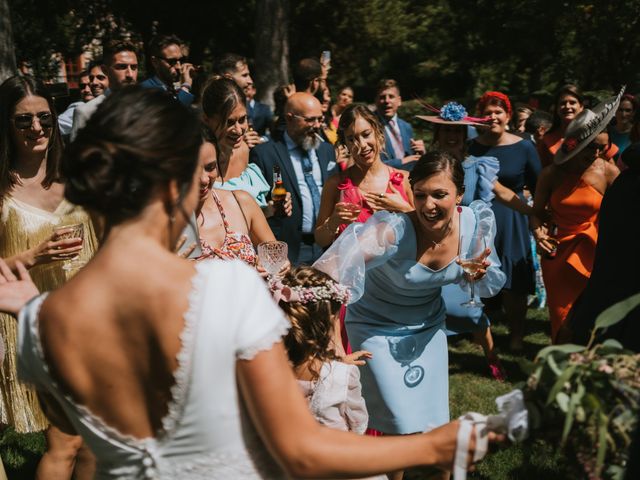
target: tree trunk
<point>7,51</point>
<point>272,48</point>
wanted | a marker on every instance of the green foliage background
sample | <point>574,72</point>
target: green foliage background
<point>435,48</point>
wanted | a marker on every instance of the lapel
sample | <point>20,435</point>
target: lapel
<point>286,165</point>
<point>405,135</point>
<point>324,163</point>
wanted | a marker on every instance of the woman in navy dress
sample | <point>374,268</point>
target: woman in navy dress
<point>519,169</point>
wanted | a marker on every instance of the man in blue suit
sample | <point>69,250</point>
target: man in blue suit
<point>172,71</point>
<point>305,162</point>
<point>259,114</point>
<point>401,149</point>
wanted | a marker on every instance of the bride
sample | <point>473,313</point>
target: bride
<point>169,368</point>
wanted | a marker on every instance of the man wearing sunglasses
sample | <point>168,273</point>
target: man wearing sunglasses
<point>65,119</point>
<point>172,69</point>
<point>305,162</point>
<point>121,67</point>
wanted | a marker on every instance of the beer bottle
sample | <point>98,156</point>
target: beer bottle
<point>278,192</point>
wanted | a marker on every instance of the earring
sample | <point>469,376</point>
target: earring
<point>459,208</point>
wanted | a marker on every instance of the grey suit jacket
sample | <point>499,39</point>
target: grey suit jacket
<point>82,114</point>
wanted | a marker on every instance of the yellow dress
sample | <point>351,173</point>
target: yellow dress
<point>24,226</point>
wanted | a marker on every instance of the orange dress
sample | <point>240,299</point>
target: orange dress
<point>552,142</point>
<point>575,206</point>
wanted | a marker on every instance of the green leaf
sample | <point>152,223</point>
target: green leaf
<point>567,348</point>
<point>559,385</point>
<point>562,399</point>
<point>553,365</point>
<point>575,411</point>
<point>617,312</point>
<point>612,343</point>
<point>602,441</point>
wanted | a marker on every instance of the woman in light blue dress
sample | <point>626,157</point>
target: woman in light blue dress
<point>396,265</point>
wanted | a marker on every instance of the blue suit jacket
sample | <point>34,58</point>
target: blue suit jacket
<point>183,96</point>
<point>389,156</point>
<point>265,156</point>
<point>261,117</point>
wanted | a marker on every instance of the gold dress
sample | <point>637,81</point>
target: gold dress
<point>23,226</point>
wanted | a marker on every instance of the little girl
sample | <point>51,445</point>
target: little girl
<point>312,301</point>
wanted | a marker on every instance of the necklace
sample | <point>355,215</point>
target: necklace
<point>445,235</point>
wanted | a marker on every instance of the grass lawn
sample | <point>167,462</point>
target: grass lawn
<point>471,389</point>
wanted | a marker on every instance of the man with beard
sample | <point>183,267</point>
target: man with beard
<point>172,71</point>
<point>401,149</point>
<point>305,162</point>
<point>121,66</point>
<point>65,119</point>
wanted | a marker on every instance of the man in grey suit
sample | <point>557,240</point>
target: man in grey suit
<point>121,66</point>
<point>305,162</point>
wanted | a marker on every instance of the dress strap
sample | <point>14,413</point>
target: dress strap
<point>221,210</point>
<point>241,210</point>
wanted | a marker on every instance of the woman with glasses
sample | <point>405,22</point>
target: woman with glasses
<point>33,209</point>
<point>225,116</point>
<point>570,192</point>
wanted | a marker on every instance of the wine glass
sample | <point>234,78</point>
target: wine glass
<point>66,232</point>
<point>352,199</point>
<point>272,256</point>
<point>471,262</point>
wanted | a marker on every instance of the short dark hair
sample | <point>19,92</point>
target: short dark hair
<point>227,63</point>
<point>117,46</point>
<point>537,119</point>
<point>386,83</point>
<point>96,63</point>
<point>568,89</point>
<point>305,71</point>
<point>12,90</point>
<point>137,141</point>
<point>434,162</point>
<point>160,42</point>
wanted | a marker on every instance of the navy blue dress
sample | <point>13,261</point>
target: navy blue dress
<point>519,168</point>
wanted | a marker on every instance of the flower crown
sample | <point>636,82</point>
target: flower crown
<point>329,291</point>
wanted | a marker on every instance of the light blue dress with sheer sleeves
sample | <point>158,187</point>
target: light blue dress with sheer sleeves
<point>480,174</point>
<point>397,313</point>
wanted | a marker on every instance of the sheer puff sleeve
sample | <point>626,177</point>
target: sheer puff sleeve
<point>360,247</point>
<point>486,169</point>
<point>483,223</point>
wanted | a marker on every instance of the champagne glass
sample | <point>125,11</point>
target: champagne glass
<point>352,198</point>
<point>272,257</point>
<point>66,232</point>
<point>471,262</point>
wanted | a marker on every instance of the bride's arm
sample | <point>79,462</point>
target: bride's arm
<point>306,449</point>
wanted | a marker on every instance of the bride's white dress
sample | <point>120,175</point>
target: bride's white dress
<point>206,433</point>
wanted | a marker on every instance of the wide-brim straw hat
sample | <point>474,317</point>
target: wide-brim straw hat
<point>587,125</point>
<point>452,113</point>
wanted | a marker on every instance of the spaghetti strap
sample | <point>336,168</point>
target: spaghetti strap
<point>221,210</point>
<point>241,210</point>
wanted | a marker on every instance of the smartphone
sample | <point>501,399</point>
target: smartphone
<point>192,238</point>
<point>325,57</point>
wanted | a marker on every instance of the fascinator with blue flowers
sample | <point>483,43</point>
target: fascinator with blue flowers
<point>452,113</point>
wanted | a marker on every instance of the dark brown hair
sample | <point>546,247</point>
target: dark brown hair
<point>386,83</point>
<point>117,46</point>
<point>12,91</point>
<point>312,324</point>
<point>568,89</point>
<point>136,142</point>
<point>435,162</point>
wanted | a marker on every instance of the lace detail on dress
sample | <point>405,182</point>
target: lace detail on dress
<point>178,390</point>
<point>267,341</point>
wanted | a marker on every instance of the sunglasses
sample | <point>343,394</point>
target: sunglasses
<point>172,62</point>
<point>99,77</point>
<point>25,120</point>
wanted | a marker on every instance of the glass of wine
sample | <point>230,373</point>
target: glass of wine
<point>471,262</point>
<point>272,257</point>
<point>352,199</point>
<point>71,231</point>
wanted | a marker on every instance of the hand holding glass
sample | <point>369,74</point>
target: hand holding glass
<point>272,256</point>
<point>472,261</point>
<point>67,232</point>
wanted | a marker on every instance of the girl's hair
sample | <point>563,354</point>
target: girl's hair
<point>12,91</point>
<point>349,116</point>
<point>312,323</point>
<point>220,97</point>
<point>136,142</point>
<point>568,89</point>
<point>435,162</point>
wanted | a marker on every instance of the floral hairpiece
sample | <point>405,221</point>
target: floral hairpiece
<point>453,112</point>
<point>330,291</point>
<point>484,99</point>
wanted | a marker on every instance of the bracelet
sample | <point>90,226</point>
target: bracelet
<point>186,86</point>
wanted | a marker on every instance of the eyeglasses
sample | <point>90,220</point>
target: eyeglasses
<point>172,62</point>
<point>25,120</point>
<point>98,77</point>
<point>309,120</point>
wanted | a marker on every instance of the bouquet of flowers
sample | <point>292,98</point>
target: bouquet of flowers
<point>588,398</point>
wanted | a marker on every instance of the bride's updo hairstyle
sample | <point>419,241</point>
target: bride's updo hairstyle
<point>136,142</point>
<point>434,162</point>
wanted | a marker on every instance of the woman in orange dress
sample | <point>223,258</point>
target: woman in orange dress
<point>571,190</point>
